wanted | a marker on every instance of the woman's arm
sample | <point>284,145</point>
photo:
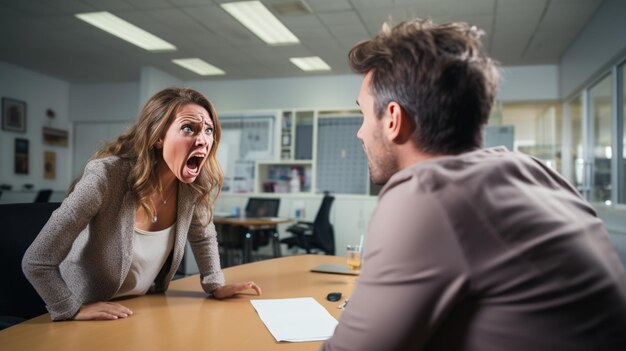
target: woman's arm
<point>203,240</point>
<point>42,259</point>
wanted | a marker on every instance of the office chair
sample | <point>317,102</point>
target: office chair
<point>43,195</point>
<point>316,236</point>
<point>20,224</point>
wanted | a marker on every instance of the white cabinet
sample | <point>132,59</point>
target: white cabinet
<point>293,172</point>
<point>296,135</point>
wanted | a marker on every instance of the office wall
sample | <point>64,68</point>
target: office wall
<point>519,83</point>
<point>529,83</point>
<point>104,102</point>
<point>40,92</point>
<point>121,101</point>
<point>327,92</point>
<point>601,43</point>
<point>152,80</point>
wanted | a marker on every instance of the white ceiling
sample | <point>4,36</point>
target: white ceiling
<point>44,36</point>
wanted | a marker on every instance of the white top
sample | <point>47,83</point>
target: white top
<point>150,251</point>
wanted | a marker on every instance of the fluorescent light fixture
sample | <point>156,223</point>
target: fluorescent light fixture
<point>312,63</point>
<point>260,21</point>
<point>199,66</point>
<point>112,24</point>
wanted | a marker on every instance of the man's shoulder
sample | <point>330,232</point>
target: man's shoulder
<point>471,168</point>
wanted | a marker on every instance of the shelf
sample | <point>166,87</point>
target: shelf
<point>276,177</point>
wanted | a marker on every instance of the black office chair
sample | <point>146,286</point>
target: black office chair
<point>314,236</point>
<point>43,195</point>
<point>19,225</point>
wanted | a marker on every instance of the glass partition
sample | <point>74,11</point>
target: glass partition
<point>578,160</point>
<point>600,112</point>
<point>622,175</point>
<point>537,129</point>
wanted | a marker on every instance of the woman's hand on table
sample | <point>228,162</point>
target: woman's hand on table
<point>102,311</point>
<point>229,290</point>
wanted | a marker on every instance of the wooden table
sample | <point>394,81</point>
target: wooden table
<point>183,319</point>
<point>251,225</point>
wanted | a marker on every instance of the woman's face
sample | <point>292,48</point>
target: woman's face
<point>187,142</point>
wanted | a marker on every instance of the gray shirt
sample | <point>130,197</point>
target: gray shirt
<point>84,251</point>
<point>488,250</point>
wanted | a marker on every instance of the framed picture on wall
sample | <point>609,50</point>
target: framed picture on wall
<point>21,156</point>
<point>13,115</point>
<point>52,136</point>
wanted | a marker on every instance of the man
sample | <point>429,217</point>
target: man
<point>468,248</point>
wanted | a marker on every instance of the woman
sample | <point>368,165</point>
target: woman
<point>123,227</point>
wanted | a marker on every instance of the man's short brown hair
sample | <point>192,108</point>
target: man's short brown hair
<point>438,74</point>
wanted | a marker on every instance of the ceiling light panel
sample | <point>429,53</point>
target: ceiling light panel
<point>311,63</point>
<point>112,24</point>
<point>260,21</point>
<point>199,66</point>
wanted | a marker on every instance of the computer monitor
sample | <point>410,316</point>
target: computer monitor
<point>262,207</point>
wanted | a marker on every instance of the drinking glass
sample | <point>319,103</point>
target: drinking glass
<point>353,255</point>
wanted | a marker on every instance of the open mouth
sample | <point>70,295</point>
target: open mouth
<point>194,162</point>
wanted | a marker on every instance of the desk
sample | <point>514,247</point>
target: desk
<point>251,224</point>
<point>182,319</point>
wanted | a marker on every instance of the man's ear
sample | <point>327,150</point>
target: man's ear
<point>398,126</point>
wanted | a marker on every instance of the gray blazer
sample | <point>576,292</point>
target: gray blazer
<point>84,251</point>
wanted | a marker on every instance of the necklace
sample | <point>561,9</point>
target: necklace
<point>163,202</point>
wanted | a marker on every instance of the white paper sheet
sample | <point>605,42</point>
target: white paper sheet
<point>296,320</point>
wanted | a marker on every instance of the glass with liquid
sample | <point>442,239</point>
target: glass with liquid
<point>353,255</point>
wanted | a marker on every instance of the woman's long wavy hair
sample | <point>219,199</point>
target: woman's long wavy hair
<point>137,144</point>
